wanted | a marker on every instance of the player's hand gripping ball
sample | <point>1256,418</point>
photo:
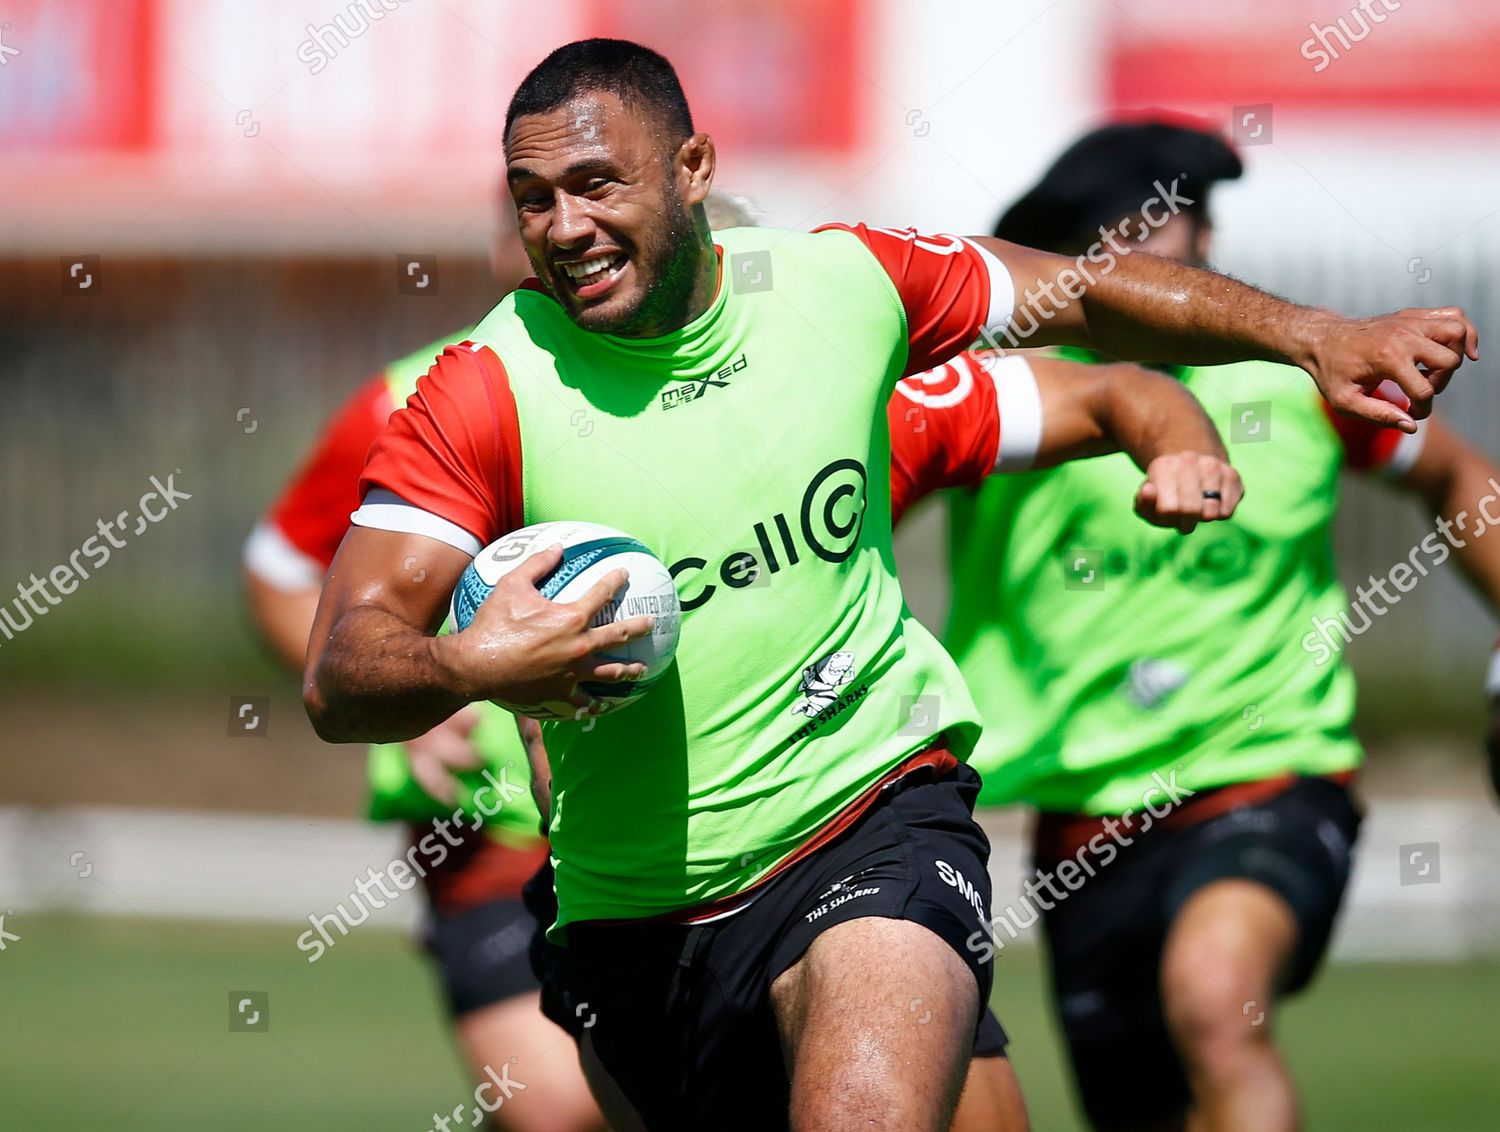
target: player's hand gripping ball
<point>589,552</point>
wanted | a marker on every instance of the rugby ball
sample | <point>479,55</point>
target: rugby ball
<point>589,552</point>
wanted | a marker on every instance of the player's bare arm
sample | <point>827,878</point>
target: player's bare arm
<point>536,757</point>
<point>376,673</point>
<point>281,617</point>
<point>1454,479</point>
<point>1090,410</point>
<point>1458,482</point>
<point>1151,309</point>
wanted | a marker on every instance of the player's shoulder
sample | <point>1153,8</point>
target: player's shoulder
<point>732,240</point>
<point>400,376</point>
<point>856,238</point>
<point>786,245</point>
<point>526,320</point>
<point>818,243</point>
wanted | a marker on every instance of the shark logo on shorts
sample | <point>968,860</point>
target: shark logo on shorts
<point>839,893</point>
<point>844,885</point>
<point>821,682</point>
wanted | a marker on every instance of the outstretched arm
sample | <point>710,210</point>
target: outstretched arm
<point>1142,307</point>
<point>1462,485</point>
<point>1089,410</point>
<point>981,413</point>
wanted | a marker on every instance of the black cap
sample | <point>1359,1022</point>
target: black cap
<point>1111,172</point>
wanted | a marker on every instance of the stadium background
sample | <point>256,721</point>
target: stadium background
<point>241,206</point>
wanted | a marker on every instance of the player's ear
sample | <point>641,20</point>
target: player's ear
<point>694,165</point>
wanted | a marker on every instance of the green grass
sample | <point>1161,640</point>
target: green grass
<point>123,1024</point>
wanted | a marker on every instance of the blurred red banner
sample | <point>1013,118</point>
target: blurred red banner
<point>758,73</point>
<point>77,75</point>
<point>1389,55</point>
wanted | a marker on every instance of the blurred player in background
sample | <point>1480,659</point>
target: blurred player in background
<point>703,838</point>
<point>477,931</point>
<point>1108,658</point>
<point>981,415</point>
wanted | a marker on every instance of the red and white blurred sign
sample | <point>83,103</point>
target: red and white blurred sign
<point>78,75</point>
<point>759,74</point>
<point>1391,56</point>
<point>169,74</point>
<point>329,122</point>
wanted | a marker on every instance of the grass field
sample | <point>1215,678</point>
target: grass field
<point>116,1024</point>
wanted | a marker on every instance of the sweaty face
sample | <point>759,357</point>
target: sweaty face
<point>599,212</point>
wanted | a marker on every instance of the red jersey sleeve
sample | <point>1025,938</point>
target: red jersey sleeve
<point>950,288</point>
<point>454,451</point>
<point>955,424</point>
<point>1371,447</point>
<point>312,512</point>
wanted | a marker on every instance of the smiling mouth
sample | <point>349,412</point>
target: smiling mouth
<point>593,275</point>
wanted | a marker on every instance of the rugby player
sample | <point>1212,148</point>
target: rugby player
<point>1106,657</point>
<point>749,896</point>
<point>945,428</point>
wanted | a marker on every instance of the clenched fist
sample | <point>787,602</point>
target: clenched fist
<point>1188,488</point>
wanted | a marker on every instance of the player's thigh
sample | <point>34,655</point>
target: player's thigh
<point>1251,907</point>
<point>540,1056</point>
<point>1222,960</point>
<point>877,1021</point>
<point>1254,895</point>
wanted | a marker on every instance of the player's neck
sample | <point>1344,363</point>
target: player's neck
<point>706,276</point>
<point>703,269</point>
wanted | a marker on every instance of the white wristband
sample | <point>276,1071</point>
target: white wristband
<point>1492,675</point>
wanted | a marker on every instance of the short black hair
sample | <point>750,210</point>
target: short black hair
<point>1108,173</point>
<point>638,75</point>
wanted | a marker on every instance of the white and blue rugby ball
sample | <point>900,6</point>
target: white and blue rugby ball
<point>589,552</point>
